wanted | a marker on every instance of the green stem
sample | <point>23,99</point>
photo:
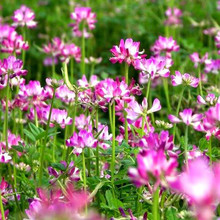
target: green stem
<point>125,104</point>
<point>113,142</point>
<point>210,150</point>
<point>200,80</point>
<point>23,51</point>
<point>148,88</point>
<point>35,117</point>
<point>84,174</point>
<point>54,147</point>
<point>155,208</point>
<point>83,51</point>
<point>166,90</point>
<point>177,111</point>
<point>72,70</point>
<point>2,207</point>
<point>110,115</point>
<point>6,113</point>
<point>186,145</point>
<point>43,147</point>
<point>97,148</point>
<point>53,69</point>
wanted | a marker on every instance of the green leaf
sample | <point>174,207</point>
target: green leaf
<point>18,148</point>
<point>58,166</point>
<point>171,213</point>
<point>30,135</point>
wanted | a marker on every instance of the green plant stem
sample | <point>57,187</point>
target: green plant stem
<point>97,148</point>
<point>83,51</point>
<point>155,208</point>
<point>6,113</point>
<point>186,145</point>
<point>110,115</point>
<point>210,150</point>
<point>53,69</point>
<point>35,117</point>
<point>200,80</point>
<point>2,207</point>
<point>177,111</point>
<point>166,91</point>
<point>43,147</point>
<point>113,142</point>
<point>125,104</point>
<point>54,147</point>
<point>23,51</point>
<point>84,170</point>
<point>72,70</point>
<point>148,88</point>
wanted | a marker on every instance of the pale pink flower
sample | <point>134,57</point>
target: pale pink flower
<point>173,16</point>
<point>197,60</point>
<point>184,79</point>
<point>187,117</point>
<point>70,51</point>
<point>24,16</point>
<point>210,99</point>
<point>127,51</point>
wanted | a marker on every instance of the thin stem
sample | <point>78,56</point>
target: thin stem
<point>155,208</point>
<point>148,87</point>
<point>35,117</point>
<point>72,70</point>
<point>6,113</point>
<point>113,142</point>
<point>2,207</point>
<point>166,90</point>
<point>110,115</point>
<point>125,104</point>
<point>23,51</point>
<point>186,145</point>
<point>84,170</point>
<point>53,68</point>
<point>177,111</point>
<point>83,51</point>
<point>43,147</point>
<point>54,146</point>
<point>210,150</point>
<point>200,80</point>
<point>97,148</point>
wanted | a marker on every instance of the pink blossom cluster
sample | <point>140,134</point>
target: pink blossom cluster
<point>173,17</point>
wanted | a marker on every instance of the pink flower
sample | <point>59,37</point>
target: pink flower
<point>14,43</point>
<point>187,118</point>
<point>186,79</point>
<point>199,184</point>
<point>54,49</point>
<point>4,156</point>
<point>210,99</point>
<point>64,94</point>
<point>24,16</point>
<point>166,45</point>
<point>212,66</point>
<point>58,116</point>
<point>68,51</point>
<point>135,111</point>
<point>127,51</point>
<point>196,59</point>
<point>173,15</point>
<point>153,67</point>
<point>83,14</point>
<point>153,164</point>
<point>81,140</point>
<point>84,82</point>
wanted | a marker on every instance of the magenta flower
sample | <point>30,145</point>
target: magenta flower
<point>199,184</point>
<point>187,117</point>
<point>212,66</point>
<point>173,17</point>
<point>54,49</point>
<point>217,41</point>
<point>64,94</point>
<point>135,111</point>
<point>24,16</point>
<point>14,43</point>
<point>70,51</point>
<point>127,51</point>
<point>58,116</point>
<point>166,45</point>
<point>81,140</point>
<point>4,156</point>
<point>84,82</point>
<point>153,67</point>
<point>153,164</point>
<point>185,79</point>
<point>71,172</point>
<point>197,60</point>
<point>12,67</point>
<point>80,15</point>
<point>210,99</point>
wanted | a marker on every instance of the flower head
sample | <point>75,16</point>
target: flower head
<point>127,51</point>
<point>24,16</point>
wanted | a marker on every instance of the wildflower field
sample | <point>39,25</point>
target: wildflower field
<point>110,109</point>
